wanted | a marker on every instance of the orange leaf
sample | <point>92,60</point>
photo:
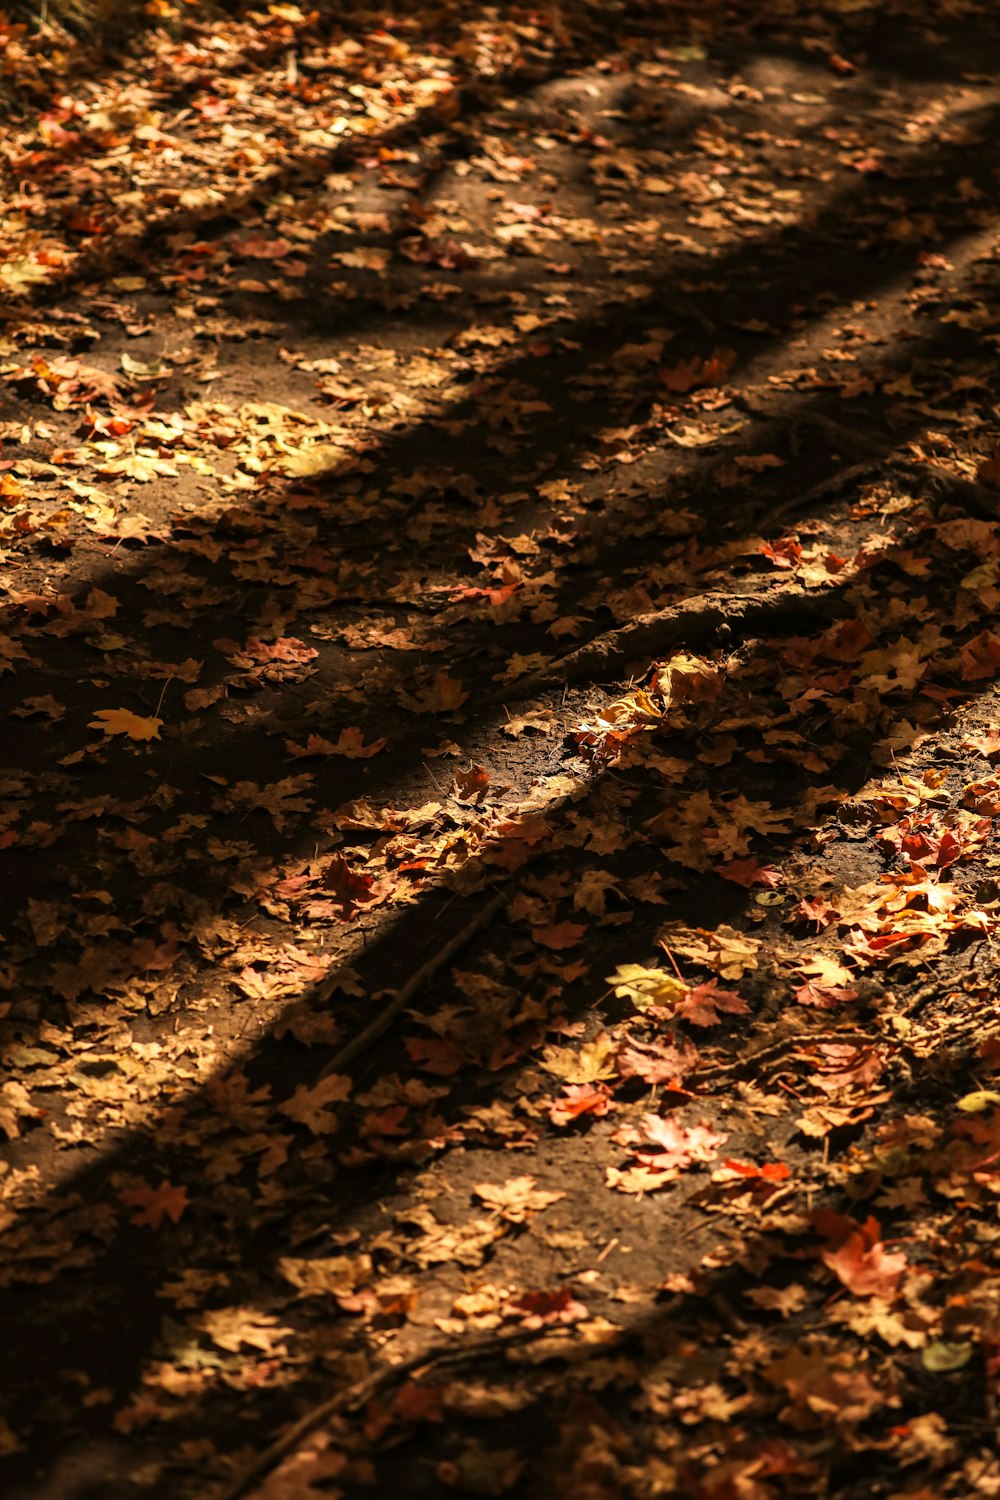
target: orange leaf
<point>471,783</point>
<point>122,721</point>
<point>347,885</point>
<point>858,1257</point>
<point>558,935</point>
<point>579,1099</point>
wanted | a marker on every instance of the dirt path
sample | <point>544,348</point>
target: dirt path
<point>500,694</point>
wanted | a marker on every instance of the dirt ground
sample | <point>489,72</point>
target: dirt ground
<point>499,672</point>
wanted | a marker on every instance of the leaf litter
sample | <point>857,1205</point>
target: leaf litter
<point>500,572</point>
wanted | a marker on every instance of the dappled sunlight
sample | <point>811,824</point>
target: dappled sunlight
<point>502,578</point>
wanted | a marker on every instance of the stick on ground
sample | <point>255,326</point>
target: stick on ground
<point>412,987</point>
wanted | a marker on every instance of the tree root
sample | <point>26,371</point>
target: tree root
<point>377,1028</point>
<point>977,498</point>
<point>691,624</point>
<point>363,1391</point>
<point>831,486</point>
<point>755,1062</point>
<point>859,442</point>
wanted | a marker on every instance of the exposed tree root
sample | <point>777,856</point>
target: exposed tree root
<point>832,486</point>
<point>966,492</point>
<point>363,1391</point>
<point>693,624</point>
<point>852,440</point>
<point>411,988</point>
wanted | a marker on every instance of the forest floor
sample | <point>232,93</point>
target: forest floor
<point>502,754</point>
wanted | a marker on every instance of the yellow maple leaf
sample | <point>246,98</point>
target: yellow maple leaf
<point>122,721</point>
<point>646,987</point>
<point>587,1064</point>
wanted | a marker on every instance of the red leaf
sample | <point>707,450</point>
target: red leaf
<point>689,374</point>
<point>772,1171</point>
<point>748,872</point>
<point>702,1005</point>
<point>538,1308</point>
<point>347,885</point>
<point>580,1099</point>
<point>785,553</point>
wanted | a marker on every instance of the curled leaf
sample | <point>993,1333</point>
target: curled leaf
<point>941,1357</point>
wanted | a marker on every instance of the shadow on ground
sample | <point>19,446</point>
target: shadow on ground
<point>114,1275</point>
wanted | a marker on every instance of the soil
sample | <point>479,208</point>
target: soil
<point>501,585</point>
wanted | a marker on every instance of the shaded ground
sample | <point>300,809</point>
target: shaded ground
<point>498,537</point>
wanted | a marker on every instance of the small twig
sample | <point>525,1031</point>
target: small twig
<point>413,985</point>
<point>362,1392</point>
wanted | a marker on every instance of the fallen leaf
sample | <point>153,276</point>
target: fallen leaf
<point>859,1258</point>
<point>540,1309</point>
<point>123,721</point>
<point>516,1199</point>
<point>577,1100</point>
<point>153,1205</point>
<point>313,1107</point>
<point>646,987</point>
<point>558,935</point>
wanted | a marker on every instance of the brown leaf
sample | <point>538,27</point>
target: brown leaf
<point>349,743</point>
<point>516,1199</point>
<point>153,1205</point>
<point>442,696</point>
<point>470,784</point>
<point>980,657</point>
<point>558,935</point>
<point>706,1003</point>
<point>313,1107</point>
